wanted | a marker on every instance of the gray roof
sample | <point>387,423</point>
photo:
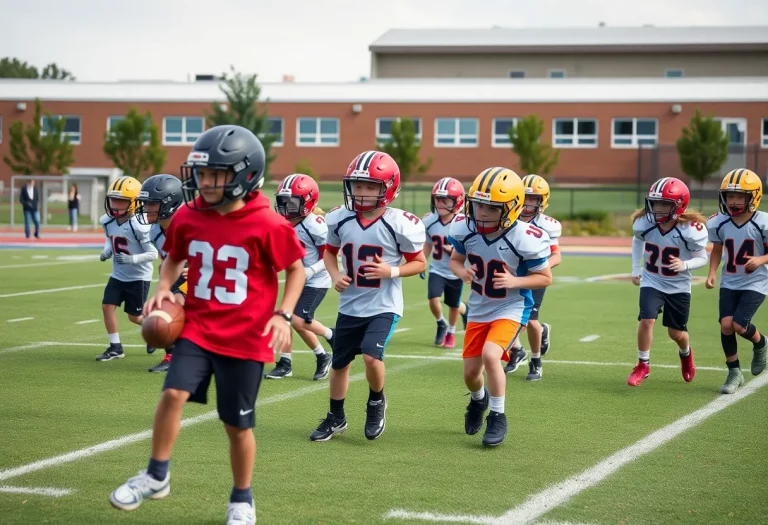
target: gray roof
<point>567,90</point>
<point>574,39</point>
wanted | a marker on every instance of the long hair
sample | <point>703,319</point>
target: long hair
<point>688,216</point>
<point>318,211</point>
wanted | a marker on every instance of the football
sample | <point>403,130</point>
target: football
<point>162,326</point>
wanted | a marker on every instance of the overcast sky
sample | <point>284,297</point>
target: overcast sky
<point>315,40</point>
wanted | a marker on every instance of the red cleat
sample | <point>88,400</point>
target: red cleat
<point>687,366</point>
<point>450,341</point>
<point>641,371</point>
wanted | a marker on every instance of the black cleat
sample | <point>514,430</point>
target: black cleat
<point>281,370</point>
<point>495,429</point>
<point>162,366</point>
<point>151,349</point>
<point>534,372</point>
<point>518,357</point>
<point>113,352</point>
<point>328,428</point>
<point>376,419</point>
<point>323,366</point>
<point>442,329</point>
<point>473,418</point>
<point>546,330</point>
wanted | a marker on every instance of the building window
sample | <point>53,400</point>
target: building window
<point>500,134</point>
<point>574,133</point>
<point>317,132</point>
<point>111,121</point>
<point>275,128</point>
<point>71,127</point>
<point>456,132</point>
<point>765,133</point>
<point>384,129</point>
<point>634,132</point>
<point>674,73</point>
<point>556,73</point>
<point>517,73</point>
<point>182,130</point>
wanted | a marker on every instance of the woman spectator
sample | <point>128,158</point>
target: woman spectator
<point>74,207</point>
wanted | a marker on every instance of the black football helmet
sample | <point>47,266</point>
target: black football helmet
<point>229,148</point>
<point>164,189</point>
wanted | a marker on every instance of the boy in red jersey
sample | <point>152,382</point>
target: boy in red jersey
<point>235,244</point>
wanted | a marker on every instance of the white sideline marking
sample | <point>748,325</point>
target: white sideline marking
<point>113,444</point>
<point>37,491</point>
<point>25,347</point>
<point>52,290</point>
<point>400,330</point>
<point>541,503</point>
<point>19,319</point>
<point>39,256</point>
<point>589,338</point>
<point>37,265</point>
<point>88,321</point>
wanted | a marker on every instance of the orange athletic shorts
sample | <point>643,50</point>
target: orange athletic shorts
<point>502,332</point>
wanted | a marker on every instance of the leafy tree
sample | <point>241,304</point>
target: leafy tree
<point>14,68</point>
<point>38,151</point>
<point>133,144</point>
<point>305,168</point>
<point>535,156</point>
<point>703,149</point>
<point>404,149</point>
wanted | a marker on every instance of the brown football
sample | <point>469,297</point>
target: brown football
<point>162,326</point>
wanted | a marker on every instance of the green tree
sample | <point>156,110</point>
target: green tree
<point>133,144</point>
<point>35,150</point>
<point>703,149</point>
<point>535,156</point>
<point>404,148</point>
<point>14,68</point>
<point>304,166</point>
<point>242,109</point>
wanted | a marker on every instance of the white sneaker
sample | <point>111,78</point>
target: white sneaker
<point>131,494</point>
<point>241,513</point>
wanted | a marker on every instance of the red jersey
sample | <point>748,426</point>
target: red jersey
<point>233,264</point>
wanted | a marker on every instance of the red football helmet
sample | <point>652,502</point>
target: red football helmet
<point>376,167</point>
<point>296,196</point>
<point>450,188</point>
<point>667,190</point>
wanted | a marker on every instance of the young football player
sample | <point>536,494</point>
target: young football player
<point>373,240</point>
<point>235,245</point>
<point>743,231</point>
<point>132,253</point>
<point>447,201</point>
<point>159,198</point>
<point>669,241</point>
<point>296,200</point>
<point>536,202</point>
<point>508,258</point>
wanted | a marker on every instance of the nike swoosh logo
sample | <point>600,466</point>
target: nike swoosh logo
<point>245,412</point>
<point>378,345</point>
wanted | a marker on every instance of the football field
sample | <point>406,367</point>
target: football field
<point>582,447</point>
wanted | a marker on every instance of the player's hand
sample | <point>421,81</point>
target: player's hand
<point>636,280</point>
<point>377,269</point>
<point>122,258</point>
<point>448,249</point>
<point>753,263</point>
<point>281,333</point>
<point>154,302</point>
<point>469,274</point>
<point>105,255</point>
<point>504,279</point>
<point>676,265</point>
<point>342,283</point>
<point>711,278</point>
<point>185,272</point>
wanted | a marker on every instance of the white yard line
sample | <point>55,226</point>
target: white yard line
<point>52,290</point>
<point>37,265</point>
<point>589,338</point>
<point>19,319</point>
<point>37,491</point>
<point>122,441</point>
<point>541,503</point>
<point>88,321</point>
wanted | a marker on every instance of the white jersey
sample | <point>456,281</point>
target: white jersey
<point>552,226</point>
<point>157,236</point>
<point>437,236</point>
<point>395,234</point>
<point>682,241</point>
<point>313,233</point>
<point>739,243</point>
<point>130,238</point>
<point>522,248</point>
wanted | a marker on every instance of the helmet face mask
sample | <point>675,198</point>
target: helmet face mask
<point>363,195</point>
<point>667,200</point>
<point>159,198</point>
<point>494,201</point>
<point>121,199</point>
<point>119,207</point>
<point>660,211</point>
<point>740,193</point>
<point>735,203</point>
<point>443,205</point>
<point>372,182</point>
<point>486,217</point>
<point>289,206</point>
<point>297,195</point>
<point>447,197</point>
<point>532,205</point>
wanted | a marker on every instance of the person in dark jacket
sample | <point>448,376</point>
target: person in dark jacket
<point>29,197</point>
<point>74,207</point>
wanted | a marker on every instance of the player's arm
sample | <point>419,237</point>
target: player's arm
<point>637,256</point>
<point>427,249</point>
<point>538,277</point>
<point>170,270</point>
<point>457,261</point>
<point>294,284</point>
<point>555,258</point>
<point>714,262</point>
<point>148,255</point>
<point>107,252</point>
<point>415,263</point>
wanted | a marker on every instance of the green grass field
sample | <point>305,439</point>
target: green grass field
<point>56,399</point>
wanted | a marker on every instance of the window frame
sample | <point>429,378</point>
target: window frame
<point>280,141</point>
<point>69,134</point>
<point>668,70</point>
<point>516,77</point>
<point>557,70</point>
<point>382,138</point>
<point>495,135</point>
<point>183,134</point>
<point>634,137</point>
<point>457,136</point>
<point>575,137</point>
<point>318,134</point>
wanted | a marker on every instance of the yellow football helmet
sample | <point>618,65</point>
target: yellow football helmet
<point>742,181</point>
<point>500,187</point>
<point>535,185</point>
<point>125,188</point>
